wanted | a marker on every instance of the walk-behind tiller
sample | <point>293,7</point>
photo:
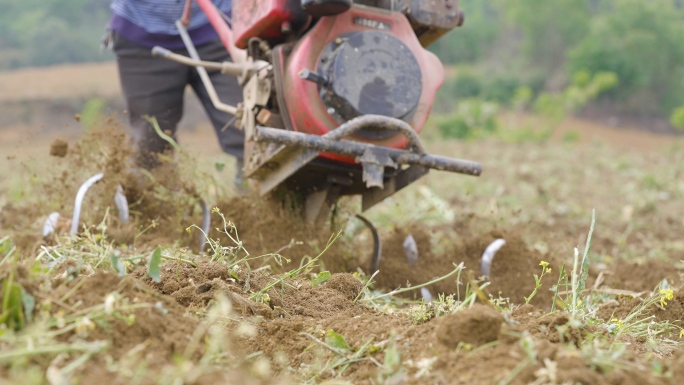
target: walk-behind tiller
<point>335,93</point>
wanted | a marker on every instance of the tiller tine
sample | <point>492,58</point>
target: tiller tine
<point>488,256</point>
<point>206,224</point>
<point>377,244</point>
<point>121,204</point>
<point>78,203</point>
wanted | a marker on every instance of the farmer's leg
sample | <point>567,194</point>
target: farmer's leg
<point>229,92</point>
<point>152,87</point>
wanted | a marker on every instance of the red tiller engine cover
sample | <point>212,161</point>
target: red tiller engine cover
<point>363,61</point>
<point>264,19</point>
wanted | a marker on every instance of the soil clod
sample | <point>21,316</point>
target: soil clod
<point>59,148</point>
<point>346,284</point>
<point>475,326</point>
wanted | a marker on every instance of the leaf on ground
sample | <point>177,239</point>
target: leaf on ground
<point>320,278</point>
<point>5,245</point>
<point>336,340</point>
<point>29,303</point>
<point>584,269</point>
<point>117,265</point>
<point>12,309</point>
<point>392,357</point>
<point>153,268</point>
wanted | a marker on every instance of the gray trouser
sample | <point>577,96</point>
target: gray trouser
<point>154,86</point>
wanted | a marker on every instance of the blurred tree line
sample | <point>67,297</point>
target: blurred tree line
<point>45,32</point>
<point>506,48</point>
<point>543,45</point>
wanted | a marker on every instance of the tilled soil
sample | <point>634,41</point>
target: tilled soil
<point>142,329</point>
<point>476,345</point>
<point>512,270</point>
<point>288,323</point>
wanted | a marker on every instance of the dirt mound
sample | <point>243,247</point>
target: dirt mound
<point>195,287</point>
<point>266,226</point>
<point>475,326</point>
<point>511,275</point>
<point>510,363</point>
<point>619,308</point>
<point>161,324</point>
<point>141,333</point>
<point>553,327</point>
<point>346,284</point>
<point>673,309</point>
<point>643,276</point>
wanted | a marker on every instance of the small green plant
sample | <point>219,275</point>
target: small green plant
<point>545,269</point>
<point>12,314</point>
<point>391,368</point>
<point>425,311</point>
<point>343,354</point>
<point>473,118</point>
<point>579,277</point>
<point>677,118</point>
<point>153,267</point>
<point>522,98</point>
<point>572,137</point>
<point>319,278</point>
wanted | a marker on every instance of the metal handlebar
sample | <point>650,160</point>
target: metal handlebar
<point>225,67</point>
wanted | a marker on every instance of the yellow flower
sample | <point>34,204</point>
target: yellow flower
<point>215,210</point>
<point>617,322</point>
<point>544,264</point>
<point>666,295</point>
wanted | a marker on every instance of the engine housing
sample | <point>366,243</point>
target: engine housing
<point>349,52</point>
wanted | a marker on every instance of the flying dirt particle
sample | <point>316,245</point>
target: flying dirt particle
<point>59,148</point>
<point>77,117</point>
<point>475,326</point>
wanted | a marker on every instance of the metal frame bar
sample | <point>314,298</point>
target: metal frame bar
<point>225,67</point>
<point>192,51</point>
<point>357,149</point>
<point>225,34</point>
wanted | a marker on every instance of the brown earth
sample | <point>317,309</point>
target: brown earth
<point>443,350</point>
<point>512,269</point>
<point>143,328</point>
<point>643,276</point>
<point>290,324</point>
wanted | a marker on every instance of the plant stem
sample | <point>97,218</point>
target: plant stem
<point>9,254</point>
<point>94,347</point>
<point>157,129</point>
<point>458,269</point>
<point>574,284</point>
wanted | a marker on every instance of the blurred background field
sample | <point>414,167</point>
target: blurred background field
<point>510,54</point>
